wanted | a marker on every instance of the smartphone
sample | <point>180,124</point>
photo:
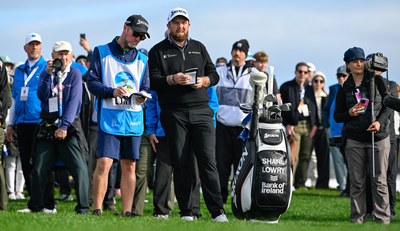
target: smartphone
<point>83,36</point>
<point>364,103</point>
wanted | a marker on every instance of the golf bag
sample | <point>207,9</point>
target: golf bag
<point>262,185</point>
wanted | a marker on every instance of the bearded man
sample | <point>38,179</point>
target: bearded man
<point>181,70</point>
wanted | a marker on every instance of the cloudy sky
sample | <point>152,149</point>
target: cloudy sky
<point>288,31</point>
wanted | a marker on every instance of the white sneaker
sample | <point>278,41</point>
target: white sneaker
<point>49,210</point>
<point>221,218</point>
<point>20,196</point>
<point>12,196</point>
<point>187,218</point>
<point>27,210</point>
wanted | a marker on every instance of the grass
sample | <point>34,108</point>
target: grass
<point>310,210</point>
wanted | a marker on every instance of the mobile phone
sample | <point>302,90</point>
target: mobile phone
<point>83,36</point>
<point>364,103</point>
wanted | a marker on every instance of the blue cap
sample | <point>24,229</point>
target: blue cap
<point>353,54</point>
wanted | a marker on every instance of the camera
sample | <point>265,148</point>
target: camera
<point>58,64</point>
<point>377,62</point>
<point>336,141</point>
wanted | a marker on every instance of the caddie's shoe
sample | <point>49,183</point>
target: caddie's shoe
<point>126,214</point>
<point>49,210</point>
<point>187,218</point>
<point>221,218</point>
<point>97,212</point>
<point>27,210</point>
<point>12,196</point>
<point>111,208</point>
<point>161,216</point>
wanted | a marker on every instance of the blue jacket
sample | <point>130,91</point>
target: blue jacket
<point>27,111</point>
<point>80,67</point>
<point>153,112</point>
<point>71,95</point>
<point>328,120</point>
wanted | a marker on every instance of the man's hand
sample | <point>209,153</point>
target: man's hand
<point>9,134</point>
<point>181,78</point>
<point>374,127</point>
<point>119,92</point>
<point>49,66</point>
<point>356,110</point>
<point>201,82</point>
<point>153,141</point>
<point>313,131</point>
<point>85,44</point>
<point>140,100</point>
<point>60,134</point>
<point>290,130</point>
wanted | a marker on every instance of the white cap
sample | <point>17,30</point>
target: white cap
<point>62,46</point>
<point>33,37</point>
<point>178,12</point>
<point>311,67</point>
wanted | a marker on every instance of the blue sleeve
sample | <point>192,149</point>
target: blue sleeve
<point>151,114</point>
<point>74,101</point>
<point>326,110</point>
<point>213,102</point>
<point>145,86</point>
<point>94,82</point>
<point>44,86</point>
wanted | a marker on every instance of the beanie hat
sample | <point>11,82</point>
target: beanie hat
<point>353,54</point>
<point>242,44</point>
<point>318,73</point>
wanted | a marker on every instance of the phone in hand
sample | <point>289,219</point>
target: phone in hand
<point>83,36</point>
<point>364,103</point>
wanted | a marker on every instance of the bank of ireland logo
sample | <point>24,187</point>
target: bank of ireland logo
<point>125,79</point>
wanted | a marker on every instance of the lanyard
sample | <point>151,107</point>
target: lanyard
<point>302,92</point>
<point>62,80</point>
<point>30,76</point>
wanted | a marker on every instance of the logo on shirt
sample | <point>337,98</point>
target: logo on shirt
<point>125,79</point>
<point>169,56</point>
<point>194,52</point>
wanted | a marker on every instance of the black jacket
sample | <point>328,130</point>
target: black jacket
<point>290,93</point>
<point>355,128</point>
<point>166,58</point>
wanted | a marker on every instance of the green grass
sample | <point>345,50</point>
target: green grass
<point>310,210</point>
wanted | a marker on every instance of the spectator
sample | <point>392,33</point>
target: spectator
<point>311,71</point>
<point>186,116</point>
<point>318,80</point>
<point>9,67</point>
<point>357,131</point>
<point>63,133</point>
<point>232,89</point>
<point>221,62</point>
<point>301,123</point>
<point>261,63</point>
<point>26,79</point>
<point>4,99</point>
<point>81,60</point>
<point>116,134</point>
<point>333,129</point>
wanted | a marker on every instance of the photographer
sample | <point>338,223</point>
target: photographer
<point>357,130</point>
<point>60,135</point>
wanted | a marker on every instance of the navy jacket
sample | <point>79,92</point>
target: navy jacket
<point>290,92</point>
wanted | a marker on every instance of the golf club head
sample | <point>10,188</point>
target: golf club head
<point>274,109</point>
<point>286,107</point>
<point>245,107</point>
<point>270,98</point>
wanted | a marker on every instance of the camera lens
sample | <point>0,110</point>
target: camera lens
<point>58,64</point>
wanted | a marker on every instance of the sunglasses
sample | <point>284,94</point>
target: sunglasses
<point>320,81</point>
<point>301,72</point>
<point>137,34</point>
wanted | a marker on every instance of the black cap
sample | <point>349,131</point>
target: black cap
<point>242,44</point>
<point>138,23</point>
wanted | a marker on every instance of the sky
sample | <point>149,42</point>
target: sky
<point>288,31</point>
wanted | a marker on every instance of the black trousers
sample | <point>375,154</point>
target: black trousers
<point>184,130</point>
<point>228,151</point>
<point>163,176</point>
<point>92,142</point>
<point>26,136</point>
<point>71,154</point>
<point>322,154</point>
